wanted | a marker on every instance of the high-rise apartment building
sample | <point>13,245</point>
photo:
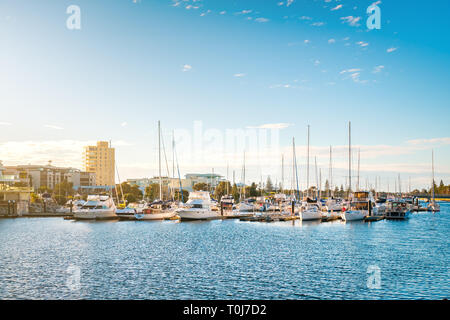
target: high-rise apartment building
<point>100,159</point>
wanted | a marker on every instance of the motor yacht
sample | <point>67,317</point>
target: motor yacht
<point>97,207</point>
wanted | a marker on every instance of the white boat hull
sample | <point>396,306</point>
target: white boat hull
<point>310,215</point>
<point>353,215</point>
<point>189,214</point>
<point>155,216</point>
<point>99,214</point>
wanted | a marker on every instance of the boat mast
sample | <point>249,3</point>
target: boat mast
<point>359,156</point>
<point>307,168</point>
<point>317,179</point>
<point>330,178</point>
<point>159,159</point>
<point>243,184</point>
<point>295,166</point>
<point>432,171</point>
<point>282,173</point>
<point>228,182</point>
<point>349,158</point>
<point>320,183</point>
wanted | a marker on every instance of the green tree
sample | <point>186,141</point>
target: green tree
<point>62,191</point>
<point>235,193</point>
<point>152,192</point>
<point>221,189</point>
<point>269,185</point>
<point>178,195</point>
<point>131,193</point>
<point>327,187</point>
<point>201,186</point>
<point>253,190</point>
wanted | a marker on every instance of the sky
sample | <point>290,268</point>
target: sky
<point>219,73</point>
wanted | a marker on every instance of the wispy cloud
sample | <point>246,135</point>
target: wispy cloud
<point>362,43</point>
<point>124,124</point>
<point>350,70</point>
<point>187,67</point>
<point>244,12</point>
<point>318,24</point>
<point>433,141</point>
<point>5,124</point>
<point>239,75</point>
<point>261,20</point>
<point>351,20</point>
<point>339,6</point>
<point>331,41</point>
<point>389,50</point>
<point>53,127</point>
<point>377,69</point>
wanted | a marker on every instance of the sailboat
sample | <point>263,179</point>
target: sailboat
<point>158,209</point>
<point>333,207</point>
<point>246,205</point>
<point>310,209</point>
<point>124,212</point>
<point>355,212</point>
<point>433,206</point>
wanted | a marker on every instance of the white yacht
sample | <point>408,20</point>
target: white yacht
<point>198,207</point>
<point>97,207</point>
<point>157,210</point>
<point>332,209</point>
<point>310,210</point>
<point>247,205</point>
<point>359,207</point>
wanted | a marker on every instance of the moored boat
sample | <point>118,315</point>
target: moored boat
<point>97,207</point>
<point>198,207</point>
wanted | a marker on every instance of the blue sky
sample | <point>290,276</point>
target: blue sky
<point>231,65</point>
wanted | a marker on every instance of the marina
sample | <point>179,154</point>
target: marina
<point>225,259</point>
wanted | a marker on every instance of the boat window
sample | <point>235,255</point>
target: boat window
<point>197,206</point>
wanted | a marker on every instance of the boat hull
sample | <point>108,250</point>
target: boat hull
<point>155,216</point>
<point>95,215</point>
<point>397,215</point>
<point>353,215</point>
<point>310,215</point>
<point>198,214</point>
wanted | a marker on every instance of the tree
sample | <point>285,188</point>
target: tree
<point>327,187</point>
<point>253,190</point>
<point>178,195</point>
<point>152,192</point>
<point>221,189</point>
<point>235,193</point>
<point>131,193</point>
<point>201,186</point>
<point>62,191</point>
<point>269,185</point>
<point>336,191</point>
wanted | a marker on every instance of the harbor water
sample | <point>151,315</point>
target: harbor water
<point>53,258</point>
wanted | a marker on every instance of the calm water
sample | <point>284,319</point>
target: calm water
<point>225,259</point>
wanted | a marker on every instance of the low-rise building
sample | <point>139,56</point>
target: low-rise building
<point>49,176</point>
<point>174,183</point>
